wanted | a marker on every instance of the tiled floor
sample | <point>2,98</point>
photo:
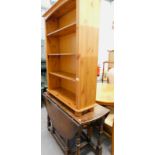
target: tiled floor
<point>50,147</point>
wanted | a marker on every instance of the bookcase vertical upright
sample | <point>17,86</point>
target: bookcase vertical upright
<point>71,32</point>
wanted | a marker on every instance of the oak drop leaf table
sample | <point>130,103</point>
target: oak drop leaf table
<point>65,126</point>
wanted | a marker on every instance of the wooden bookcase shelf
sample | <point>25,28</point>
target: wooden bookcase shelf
<point>62,54</point>
<point>64,75</point>
<point>60,8</point>
<point>64,96</point>
<point>64,30</point>
<point>71,39</point>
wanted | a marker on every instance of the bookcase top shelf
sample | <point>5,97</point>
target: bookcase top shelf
<point>60,8</point>
<point>64,30</point>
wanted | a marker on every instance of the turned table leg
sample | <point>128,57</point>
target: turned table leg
<point>99,141</point>
<point>89,132</point>
<point>78,140</point>
<point>78,146</point>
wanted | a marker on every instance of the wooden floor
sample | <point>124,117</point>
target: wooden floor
<point>49,145</point>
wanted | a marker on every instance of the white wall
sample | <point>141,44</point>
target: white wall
<point>106,34</point>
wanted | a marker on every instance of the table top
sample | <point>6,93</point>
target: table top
<point>97,113</point>
<point>105,94</point>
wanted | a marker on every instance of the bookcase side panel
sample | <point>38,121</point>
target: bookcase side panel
<point>87,48</point>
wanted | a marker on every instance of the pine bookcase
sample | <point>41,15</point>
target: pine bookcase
<point>71,38</point>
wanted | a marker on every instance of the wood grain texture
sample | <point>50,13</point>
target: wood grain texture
<point>87,50</point>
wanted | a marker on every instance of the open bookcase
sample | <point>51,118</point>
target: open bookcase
<point>71,32</point>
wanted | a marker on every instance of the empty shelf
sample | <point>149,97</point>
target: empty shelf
<point>64,95</point>
<point>61,54</point>
<point>64,75</point>
<point>64,30</point>
<point>60,8</point>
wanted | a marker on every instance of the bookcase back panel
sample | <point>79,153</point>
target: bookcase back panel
<point>53,64</point>
<point>67,19</point>
<point>53,44</point>
<point>67,43</point>
<point>64,90</point>
<point>62,44</point>
<point>68,85</point>
<point>67,64</point>
<point>61,83</point>
<point>53,82</point>
<point>51,24</point>
<point>62,64</point>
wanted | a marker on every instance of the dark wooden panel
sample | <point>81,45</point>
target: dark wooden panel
<point>64,124</point>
